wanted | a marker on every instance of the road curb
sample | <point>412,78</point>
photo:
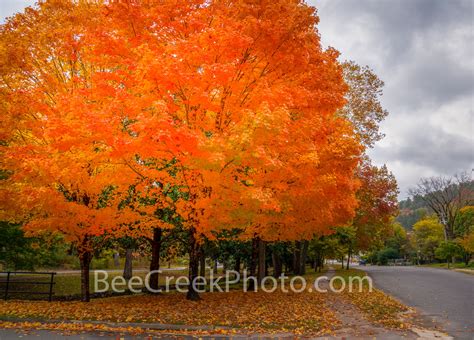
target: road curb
<point>152,326</point>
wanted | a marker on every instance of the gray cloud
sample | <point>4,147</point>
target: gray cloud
<point>436,149</point>
<point>423,50</point>
<point>437,79</point>
<point>395,25</point>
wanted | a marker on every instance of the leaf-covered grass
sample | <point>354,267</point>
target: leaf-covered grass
<point>299,313</point>
<point>378,307</point>
<point>303,313</point>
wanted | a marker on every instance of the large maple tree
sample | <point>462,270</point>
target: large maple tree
<point>221,113</point>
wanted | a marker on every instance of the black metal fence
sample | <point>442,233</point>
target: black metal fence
<point>27,285</point>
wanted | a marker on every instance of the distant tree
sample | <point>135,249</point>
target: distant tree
<point>129,245</point>
<point>464,222</point>
<point>16,251</point>
<point>408,217</point>
<point>427,236</point>
<point>448,250</point>
<point>20,252</point>
<point>467,244</point>
<point>399,240</point>
<point>347,240</point>
<point>412,203</point>
<point>395,245</point>
<point>378,205</point>
<point>464,231</point>
<point>446,196</point>
<point>386,254</point>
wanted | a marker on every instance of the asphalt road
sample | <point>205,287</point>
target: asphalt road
<point>445,296</point>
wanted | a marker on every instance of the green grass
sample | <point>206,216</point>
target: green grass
<point>69,285</point>
<point>457,265</point>
<point>346,273</point>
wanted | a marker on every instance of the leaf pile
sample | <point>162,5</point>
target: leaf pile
<point>303,313</point>
<point>74,328</point>
<point>379,307</point>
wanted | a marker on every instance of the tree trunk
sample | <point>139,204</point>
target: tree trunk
<point>85,258</point>
<point>116,260</point>
<point>261,260</point>
<point>304,254</point>
<point>214,265</point>
<point>319,261</point>
<point>155,258</point>
<point>253,262</point>
<point>297,258</point>
<point>449,232</point>
<point>342,262</point>
<point>237,264</point>
<point>254,257</point>
<point>128,267</point>
<point>349,253</point>
<point>194,254</point>
<point>202,266</point>
<point>225,266</point>
<point>276,259</point>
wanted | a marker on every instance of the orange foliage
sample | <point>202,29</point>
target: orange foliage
<point>232,103</point>
<point>378,204</point>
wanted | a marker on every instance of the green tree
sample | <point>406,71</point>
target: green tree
<point>448,250</point>
<point>19,252</point>
<point>464,230</point>
<point>386,254</point>
<point>16,251</point>
<point>428,234</point>
<point>399,241</point>
<point>445,197</point>
<point>347,240</point>
<point>467,244</point>
<point>464,222</point>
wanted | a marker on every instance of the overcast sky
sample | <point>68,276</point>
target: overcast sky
<point>423,51</point>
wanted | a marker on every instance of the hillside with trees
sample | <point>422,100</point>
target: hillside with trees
<point>410,211</point>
